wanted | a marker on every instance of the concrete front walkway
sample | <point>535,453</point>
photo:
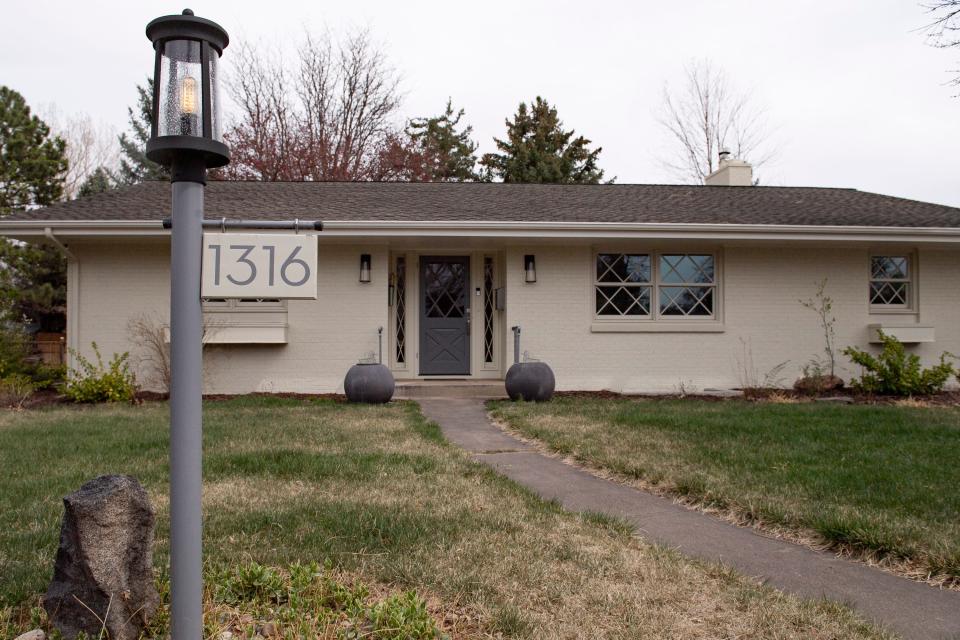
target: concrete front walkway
<point>910,608</point>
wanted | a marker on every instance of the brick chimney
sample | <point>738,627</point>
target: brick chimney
<point>730,173</point>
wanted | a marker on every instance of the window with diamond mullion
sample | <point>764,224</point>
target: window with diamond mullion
<point>890,281</point>
<point>622,285</point>
<point>401,309</point>
<point>488,309</point>
<point>686,285</point>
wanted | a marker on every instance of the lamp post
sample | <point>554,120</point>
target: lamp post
<point>186,137</point>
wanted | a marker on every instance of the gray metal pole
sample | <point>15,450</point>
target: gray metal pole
<point>516,344</point>
<point>186,417</point>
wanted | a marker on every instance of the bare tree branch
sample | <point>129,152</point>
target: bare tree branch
<point>331,126</point>
<point>705,115</point>
<point>90,145</point>
<point>944,30</point>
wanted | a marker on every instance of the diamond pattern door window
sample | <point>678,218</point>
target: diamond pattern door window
<point>623,283</point>
<point>444,284</point>
<point>890,282</point>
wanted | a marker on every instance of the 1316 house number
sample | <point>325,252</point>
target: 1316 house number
<point>246,265</point>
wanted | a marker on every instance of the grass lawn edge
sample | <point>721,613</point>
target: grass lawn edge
<point>697,499</point>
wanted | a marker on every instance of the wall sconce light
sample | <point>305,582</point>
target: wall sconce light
<point>530,268</point>
<point>391,295</point>
<point>365,267</point>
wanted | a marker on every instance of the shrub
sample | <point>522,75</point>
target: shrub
<point>93,382</point>
<point>15,390</point>
<point>895,372</point>
<point>47,376</point>
<point>14,349</point>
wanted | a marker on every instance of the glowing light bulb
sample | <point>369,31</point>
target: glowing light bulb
<point>188,95</point>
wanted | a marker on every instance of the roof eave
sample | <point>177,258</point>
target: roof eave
<point>27,229</point>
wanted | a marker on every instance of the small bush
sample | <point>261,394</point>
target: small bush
<point>895,372</point>
<point>15,390</point>
<point>94,382</point>
<point>47,376</point>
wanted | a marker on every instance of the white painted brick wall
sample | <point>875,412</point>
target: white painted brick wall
<point>760,290</point>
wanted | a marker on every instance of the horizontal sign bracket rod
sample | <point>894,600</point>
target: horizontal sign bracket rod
<point>223,224</point>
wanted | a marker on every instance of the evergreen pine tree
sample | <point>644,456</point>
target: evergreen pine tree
<point>537,149</point>
<point>32,162</point>
<point>449,155</point>
<point>97,182</point>
<point>134,164</point>
<point>32,167</point>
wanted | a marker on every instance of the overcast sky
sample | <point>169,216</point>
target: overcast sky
<point>857,97</point>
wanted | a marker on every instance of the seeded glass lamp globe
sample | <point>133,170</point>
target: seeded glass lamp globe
<point>187,124</point>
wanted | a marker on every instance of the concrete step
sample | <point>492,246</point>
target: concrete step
<point>419,389</point>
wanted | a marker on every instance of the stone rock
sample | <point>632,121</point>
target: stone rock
<point>530,381</point>
<point>36,634</point>
<point>104,566</point>
<point>370,383</point>
<point>818,384</point>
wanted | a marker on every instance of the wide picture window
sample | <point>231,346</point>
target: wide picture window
<point>649,286</point>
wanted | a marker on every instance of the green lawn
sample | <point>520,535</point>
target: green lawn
<point>883,480</point>
<point>375,495</point>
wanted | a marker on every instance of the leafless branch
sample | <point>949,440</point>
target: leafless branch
<point>705,115</point>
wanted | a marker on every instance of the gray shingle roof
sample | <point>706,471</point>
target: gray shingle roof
<point>640,203</point>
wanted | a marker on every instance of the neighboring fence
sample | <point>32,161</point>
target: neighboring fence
<point>52,347</point>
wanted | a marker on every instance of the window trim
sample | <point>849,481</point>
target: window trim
<point>912,280</point>
<point>656,321</point>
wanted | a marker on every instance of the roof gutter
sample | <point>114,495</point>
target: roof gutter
<point>26,229</point>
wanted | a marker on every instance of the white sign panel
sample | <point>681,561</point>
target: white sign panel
<point>257,265</point>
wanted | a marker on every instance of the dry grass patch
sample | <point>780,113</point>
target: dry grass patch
<point>375,496</point>
<point>874,482</point>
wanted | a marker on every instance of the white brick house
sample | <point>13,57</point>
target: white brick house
<point>637,287</point>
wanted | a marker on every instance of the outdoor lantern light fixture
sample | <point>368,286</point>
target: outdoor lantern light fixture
<point>365,267</point>
<point>530,268</point>
<point>186,132</point>
<point>186,137</point>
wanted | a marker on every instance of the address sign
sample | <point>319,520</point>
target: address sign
<point>249,265</point>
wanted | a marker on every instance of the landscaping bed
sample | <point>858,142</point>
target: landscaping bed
<point>383,506</point>
<point>876,480</point>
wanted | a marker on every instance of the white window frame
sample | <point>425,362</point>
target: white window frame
<point>656,321</point>
<point>911,281</point>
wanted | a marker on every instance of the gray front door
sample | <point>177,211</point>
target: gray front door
<point>444,315</point>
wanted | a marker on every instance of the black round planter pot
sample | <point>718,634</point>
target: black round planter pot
<point>370,383</point>
<point>530,381</point>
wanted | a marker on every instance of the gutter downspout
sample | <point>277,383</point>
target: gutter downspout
<point>48,234</point>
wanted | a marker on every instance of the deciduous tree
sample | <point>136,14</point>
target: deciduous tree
<point>537,149</point>
<point>704,115</point>
<point>944,30</point>
<point>90,147</point>
<point>330,119</point>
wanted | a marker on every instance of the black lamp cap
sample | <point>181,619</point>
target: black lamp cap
<point>190,27</point>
